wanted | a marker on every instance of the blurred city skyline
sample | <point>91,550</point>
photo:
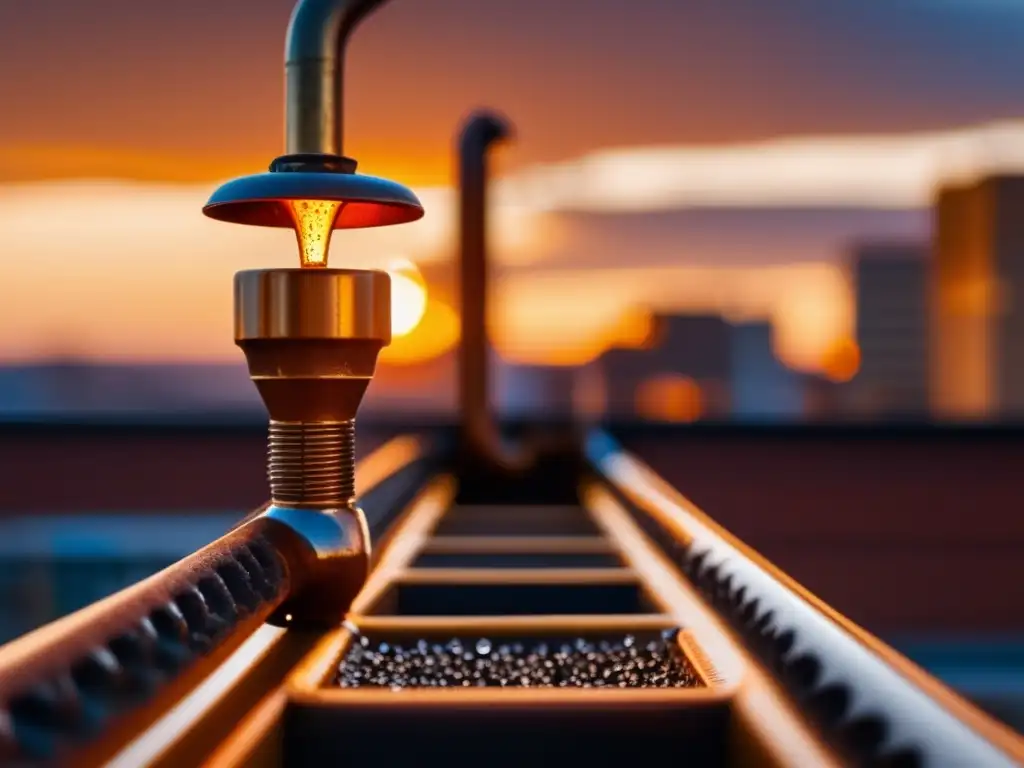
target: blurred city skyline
<point>132,271</point>
<point>671,159</point>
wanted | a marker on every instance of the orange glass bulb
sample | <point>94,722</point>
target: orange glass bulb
<point>314,222</point>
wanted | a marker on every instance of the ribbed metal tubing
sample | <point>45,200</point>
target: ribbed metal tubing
<point>312,464</point>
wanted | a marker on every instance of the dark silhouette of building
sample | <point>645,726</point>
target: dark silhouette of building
<point>891,282</point>
<point>542,391</point>
<point>762,387</point>
<point>683,374</point>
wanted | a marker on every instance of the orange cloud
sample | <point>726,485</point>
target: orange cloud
<point>134,271</point>
<point>48,162</point>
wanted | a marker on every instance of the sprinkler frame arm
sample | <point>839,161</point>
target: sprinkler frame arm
<point>318,35</point>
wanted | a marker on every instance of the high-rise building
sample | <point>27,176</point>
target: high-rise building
<point>977,348</point>
<point>891,285</point>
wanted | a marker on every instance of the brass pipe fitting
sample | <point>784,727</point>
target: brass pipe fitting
<point>311,340</point>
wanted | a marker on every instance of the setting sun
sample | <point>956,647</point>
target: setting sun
<point>434,335</point>
<point>408,296</point>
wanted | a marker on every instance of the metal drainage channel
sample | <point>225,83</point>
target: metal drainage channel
<point>508,635</point>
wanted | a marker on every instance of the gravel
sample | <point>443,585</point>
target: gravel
<point>624,662</point>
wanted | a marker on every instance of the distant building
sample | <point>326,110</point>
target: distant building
<point>683,375</point>
<point>891,286</point>
<point>80,386</point>
<point>823,399</point>
<point>535,391</point>
<point>431,389</point>
<point>762,387</point>
<point>977,343</point>
<point>703,367</point>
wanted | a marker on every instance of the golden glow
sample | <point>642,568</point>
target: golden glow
<point>314,222</point>
<point>408,297</point>
<point>809,318</point>
<point>669,397</point>
<point>415,164</point>
<point>842,360</point>
<point>556,325</point>
<point>551,318</point>
<point>436,333</point>
<point>387,460</point>
<point>635,329</point>
<point>539,316</point>
<point>41,161</point>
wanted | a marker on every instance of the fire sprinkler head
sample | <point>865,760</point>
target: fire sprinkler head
<point>311,335</point>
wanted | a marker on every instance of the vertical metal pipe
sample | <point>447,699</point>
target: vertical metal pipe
<point>481,130</point>
<point>314,72</point>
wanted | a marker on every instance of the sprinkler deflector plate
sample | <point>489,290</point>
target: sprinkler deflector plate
<point>259,200</point>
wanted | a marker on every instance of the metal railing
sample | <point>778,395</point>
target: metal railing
<point>77,689</point>
<point>874,704</point>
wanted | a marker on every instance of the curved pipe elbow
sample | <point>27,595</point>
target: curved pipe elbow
<point>319,29</point>
<point>318,34</point>
<point>481,129</point>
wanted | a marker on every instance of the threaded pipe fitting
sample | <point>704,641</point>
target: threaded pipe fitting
<point>312,464</point>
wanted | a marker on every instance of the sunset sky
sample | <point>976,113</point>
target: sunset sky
<point>633,116</point>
